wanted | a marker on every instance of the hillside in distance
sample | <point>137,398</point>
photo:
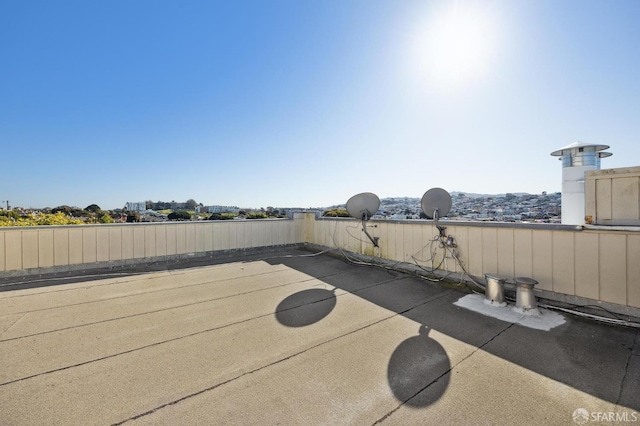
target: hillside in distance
<point>455,195</point>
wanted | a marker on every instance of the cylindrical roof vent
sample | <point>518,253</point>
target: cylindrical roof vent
<point>577,158</point>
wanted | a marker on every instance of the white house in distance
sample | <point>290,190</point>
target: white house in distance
<point>139,207</point>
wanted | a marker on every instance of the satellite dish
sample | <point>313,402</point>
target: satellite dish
<point>436,203</point>
<point>363,206</point>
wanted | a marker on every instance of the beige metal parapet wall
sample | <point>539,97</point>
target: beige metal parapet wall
<point>42,249</point>
<point>599,264</point>
<point>591,263</point>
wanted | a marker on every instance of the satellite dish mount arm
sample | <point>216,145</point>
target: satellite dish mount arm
<point>374,240</point>
<point>440,228</point>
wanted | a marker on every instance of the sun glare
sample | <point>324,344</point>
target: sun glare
<point>456,46</point>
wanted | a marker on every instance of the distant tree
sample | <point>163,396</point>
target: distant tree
<point>162,205</point>
<point>221,216</point>
<point>35,219</point>
<point>105,218</point>
<point>179,215</point>
<point>133,217</point>
<point>242,213</point>
<point>12,214</point>
<point>257,215</point>
<point>336,213</point>
<point>63,209</point>
<point>69,211</point>
<point>92,208</point>
<point>191,204</point>
<point>149,205</point>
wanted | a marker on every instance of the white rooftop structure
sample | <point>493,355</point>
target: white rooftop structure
<point>577,158</point>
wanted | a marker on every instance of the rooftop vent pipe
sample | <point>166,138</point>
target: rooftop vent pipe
<point>494,293</point>
<point>577,158</point>
<point>525,299</point>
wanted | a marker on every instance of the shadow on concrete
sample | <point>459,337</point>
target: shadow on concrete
<point>416,364</point>
<point>306,307</point>
<point>9,282</point>
<point>49,280</point>
<point>591,357</point>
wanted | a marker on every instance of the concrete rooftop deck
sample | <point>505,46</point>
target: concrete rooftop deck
<point>269,339</point>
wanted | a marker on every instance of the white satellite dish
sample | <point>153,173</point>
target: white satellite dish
<point>436,203</point>
<point>363,206</point>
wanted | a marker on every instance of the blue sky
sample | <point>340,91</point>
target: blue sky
<point>305,103</point>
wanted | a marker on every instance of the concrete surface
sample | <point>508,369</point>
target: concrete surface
<point>290,338</point>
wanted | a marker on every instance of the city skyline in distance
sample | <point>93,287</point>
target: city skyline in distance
<point>454,195</point>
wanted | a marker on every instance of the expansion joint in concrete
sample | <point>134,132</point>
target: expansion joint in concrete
<point>636,341</point>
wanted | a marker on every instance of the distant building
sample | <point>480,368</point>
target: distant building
<point>217,209</point>
<point>178,206</point>
<point>139,207</point>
